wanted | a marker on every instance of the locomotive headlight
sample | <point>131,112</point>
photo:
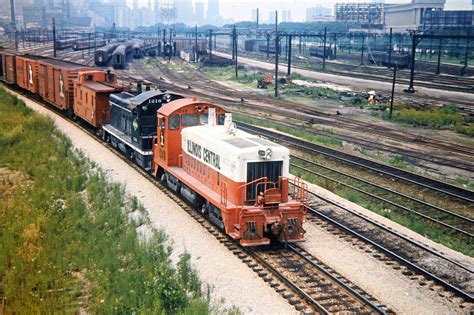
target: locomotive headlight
<point>265,153</point>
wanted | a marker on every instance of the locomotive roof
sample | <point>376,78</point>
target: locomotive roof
<point>180,103</point>
<point>130,100</point>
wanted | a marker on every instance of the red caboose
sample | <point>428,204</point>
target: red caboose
<point>91,96</point>
<point>239,180</point>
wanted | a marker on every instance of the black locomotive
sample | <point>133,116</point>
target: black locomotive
<point>133,122</point>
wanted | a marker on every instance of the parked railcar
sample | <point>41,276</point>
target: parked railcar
<point>8,66</point>
<point>65,43</point>
<point>92,89</point>
<point>133,123</point>
<point>137,50</point>
<point>27,72</point>
<point>237,179</point>
<point>102,55</point>
<point>402,61</point>
<point>317,51</point>
<point>81,44</point>
<point>121,55</point>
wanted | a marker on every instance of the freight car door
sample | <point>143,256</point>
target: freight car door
<point>50,82</point>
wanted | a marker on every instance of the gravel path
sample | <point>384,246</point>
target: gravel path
<point>231,281</point>
<point>388,285</point>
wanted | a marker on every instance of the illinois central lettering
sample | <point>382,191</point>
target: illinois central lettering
<point>204,154</point>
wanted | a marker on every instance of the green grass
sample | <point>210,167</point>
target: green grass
<point>446,118</point>
<point>65,236</point>
<point>324,140</point>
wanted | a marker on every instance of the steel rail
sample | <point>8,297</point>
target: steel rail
<point>339,282</point>
<point>459,216</point>
<point>466,296</point>
<point>390,202</point>
<point>377,167</point>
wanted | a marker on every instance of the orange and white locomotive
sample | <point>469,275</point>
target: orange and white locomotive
<point>239,180</point>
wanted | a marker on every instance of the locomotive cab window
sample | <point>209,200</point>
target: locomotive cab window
<point>173,123</point>
<point>188,120</point>
<point>203,119</point>
<point>221,119</point>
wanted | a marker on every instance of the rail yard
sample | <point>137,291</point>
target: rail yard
<point>290,154</point>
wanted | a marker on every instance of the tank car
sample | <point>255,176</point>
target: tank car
<point>241,182</point>
<point>133,123</point>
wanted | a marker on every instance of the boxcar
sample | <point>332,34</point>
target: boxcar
<point>8,66</point>
<point>56,82</point>
<point>27,72</point>
<point>91,96</point>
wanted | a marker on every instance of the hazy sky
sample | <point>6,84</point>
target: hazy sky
<point>242,9</point>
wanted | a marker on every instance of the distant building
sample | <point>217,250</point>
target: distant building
<point>368,14</point>
<point>271,17</point>
<point>184,10</point>
<point>213,13</point>
<point>408,16</point>
<point>199,12</point>
<point>286,16</point>
<point>157,12</point>
<point>314,13</point>
<point>435,19</point>
<point>34,15</point>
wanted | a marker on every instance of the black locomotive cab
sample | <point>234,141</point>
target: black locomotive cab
<point>133,122</point>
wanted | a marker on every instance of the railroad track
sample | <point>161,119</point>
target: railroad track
<point>450,221</point>
<point>298,111</point>
<point>411,257</point>
<point>292,282</point>
<point>306,283</point>
<point>434,81</point>
<point>459,193</point>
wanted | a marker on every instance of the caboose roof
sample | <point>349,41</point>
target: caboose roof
<point>99,87</point>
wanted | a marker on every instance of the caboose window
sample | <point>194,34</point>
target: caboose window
<point>188,120</point>
<point>174,122</point>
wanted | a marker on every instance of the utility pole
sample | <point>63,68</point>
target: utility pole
<point>267,35</point>
<point>13,21</point>
<point>362,53</point>
<point>210,44</point>
<point>54,38</point>
<point>196,42</point>
<point>89,40</point>
<point>438,68</point>
<point>236,49</point>
<point>466,55</point>
<point>276,53</point>
<point>232,42</point>
<point>324,48</point>
<point>289,55</point>
<point>411,89</point>
<point>393,89</point>
<point>390,49</point>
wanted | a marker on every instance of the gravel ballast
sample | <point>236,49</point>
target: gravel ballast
<point>385,283</point>
<point>231,281</point>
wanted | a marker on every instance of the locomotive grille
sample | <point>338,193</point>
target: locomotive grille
<point>271,170</point>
